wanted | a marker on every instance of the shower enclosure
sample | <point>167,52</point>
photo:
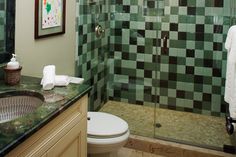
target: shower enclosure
<point>160,66</point>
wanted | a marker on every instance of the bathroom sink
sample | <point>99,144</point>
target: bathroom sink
<point>15,104</point>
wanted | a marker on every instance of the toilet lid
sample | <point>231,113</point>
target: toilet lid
<point>104,124</point>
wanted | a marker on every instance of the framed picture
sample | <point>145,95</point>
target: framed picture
<point>49,18</point>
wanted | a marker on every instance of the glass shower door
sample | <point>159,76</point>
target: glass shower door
<point>192,59</point>
<point>132,65</point>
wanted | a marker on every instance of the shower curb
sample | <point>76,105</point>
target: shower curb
<point>170,149</point>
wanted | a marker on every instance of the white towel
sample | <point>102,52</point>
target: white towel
<point>76,80</point>
<point>48,80</point>
<point>230,83</point>
<point>62,80</point>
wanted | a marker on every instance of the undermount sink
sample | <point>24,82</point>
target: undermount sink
<point>15,104</point>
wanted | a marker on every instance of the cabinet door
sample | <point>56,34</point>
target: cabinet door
<point>73,144</point>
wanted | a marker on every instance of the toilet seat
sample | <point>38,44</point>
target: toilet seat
<point>103,125</point>
<point>105,141</point>
<point>106,133</point>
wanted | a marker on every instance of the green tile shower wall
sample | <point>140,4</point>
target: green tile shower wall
<point>189,75</point>
<point>130,64</point>
<point>2,25</point>
<point>92,51</point>
<point>133,53</point>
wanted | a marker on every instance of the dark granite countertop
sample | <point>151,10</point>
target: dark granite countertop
<point>14,132</point>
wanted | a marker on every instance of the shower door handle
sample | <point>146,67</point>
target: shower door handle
<point>165,40</point>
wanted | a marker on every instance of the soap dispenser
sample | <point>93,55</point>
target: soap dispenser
<point>12,71</point>
<point>13,64</point>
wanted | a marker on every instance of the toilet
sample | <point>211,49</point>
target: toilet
<point>106,134</point>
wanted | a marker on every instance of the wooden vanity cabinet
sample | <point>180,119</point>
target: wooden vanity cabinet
<point>64,136</point>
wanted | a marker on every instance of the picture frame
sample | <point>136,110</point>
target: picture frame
<point>50,16</point>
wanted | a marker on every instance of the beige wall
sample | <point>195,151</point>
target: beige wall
<point>33,54</point>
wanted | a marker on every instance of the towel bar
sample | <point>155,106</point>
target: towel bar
<point>229,124</point>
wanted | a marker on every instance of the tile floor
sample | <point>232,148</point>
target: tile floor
<point>126,152</point>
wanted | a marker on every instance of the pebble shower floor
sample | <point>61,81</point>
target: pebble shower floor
<point>190,128</point>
